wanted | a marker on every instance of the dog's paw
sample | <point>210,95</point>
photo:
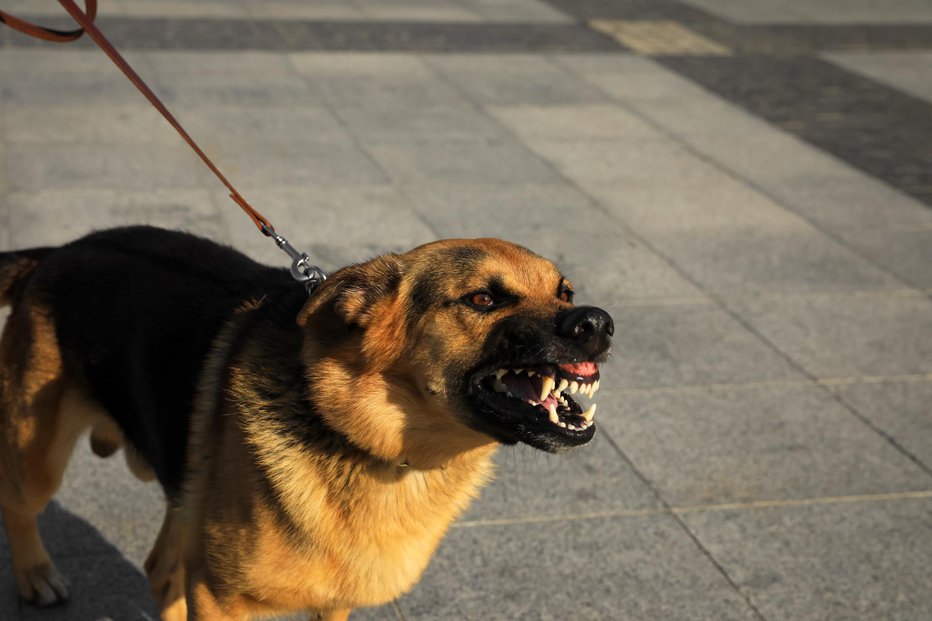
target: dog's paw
<point>42,585</point>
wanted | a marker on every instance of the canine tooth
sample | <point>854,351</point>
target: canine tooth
<point>546,387</point>
<point>563,385</point>
<point>574,388</point>
<point>562,425</point>
<point>500,373</point>
<point>553,415</point>
<point>588,414</point>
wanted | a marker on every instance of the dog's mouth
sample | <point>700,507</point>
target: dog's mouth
<point>539,399</point>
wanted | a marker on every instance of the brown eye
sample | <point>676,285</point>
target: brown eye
<point>566,295</point>
<point>482,300</point>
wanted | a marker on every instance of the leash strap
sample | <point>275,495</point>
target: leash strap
<point>301,268</point>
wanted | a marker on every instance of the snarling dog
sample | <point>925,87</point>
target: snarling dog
<point>313,451</point>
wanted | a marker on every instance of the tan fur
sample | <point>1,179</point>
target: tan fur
<point>346,529</point>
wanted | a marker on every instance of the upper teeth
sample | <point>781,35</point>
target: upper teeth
<point>546,386</point>
<point>549,387</point>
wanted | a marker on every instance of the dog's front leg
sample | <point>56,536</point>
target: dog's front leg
<point>204,605</point>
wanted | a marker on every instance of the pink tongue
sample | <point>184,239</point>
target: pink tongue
<point>582,369</point>
<point>526,388</point>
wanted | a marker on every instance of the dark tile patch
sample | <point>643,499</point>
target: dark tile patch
<point>876,128</point>
<point>585,10</point>
<point>804,39</point>
<point>291,35</point>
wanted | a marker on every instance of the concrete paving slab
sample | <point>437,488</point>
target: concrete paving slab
<point>374,80</point>
<point>239,127</point>
<point>335,225</point>
<point>31,167</point>
<point>532,484</point>
<point>906,253</point>
<point>774,262</point>
<point>605,264</point>
<point>303,10</point>
<point>516,11</point>
<point>75,123</point>
<point>417,10</point>
<point>632,568</point>
<point>492,162</point>
<point>753,443</point>
<point>847,561</point>
<point>407,125</point>
<point>842,335</point>
<point>685,344</point>
<point>906,71</point>
<point>512,79</point>
<point>59,216</point>
<point>574,122</point>
<point>900,409</point>
<point>626,161</point>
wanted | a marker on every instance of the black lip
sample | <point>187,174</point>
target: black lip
<point>511,421</point>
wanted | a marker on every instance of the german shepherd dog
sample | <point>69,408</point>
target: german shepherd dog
<point>313,451</point>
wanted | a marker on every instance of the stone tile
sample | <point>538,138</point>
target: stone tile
<point>245,126</point>
<point>62,76</point>
<point>632,568</point>
<point>574,122</point>
<point>531,483</point>
<point>374,80</point>
<point>295,165</point>
<point>738,444</point>
<point>415,125</point>
<point>842,335</point>
<point>684,344</point>
<point>417,10</point>
<point>34,167</point>
<point>513,79</point>
<point>764,261</point>
<point>605,264</point>
<point>59,216</point>
<point>111,124</point>
<point>516,11</point>
<point>900,409</point>
<point>825,563</point>
<point>335,225</point>
<point>465,162</point>
<point>626,161</point>
<point>758,12</point>
<point>303,10</point>
<point>182,9</point>
<point>907,253</point>
<point>906,71</point>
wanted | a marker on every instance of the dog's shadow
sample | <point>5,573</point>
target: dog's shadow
<point>104,585</point>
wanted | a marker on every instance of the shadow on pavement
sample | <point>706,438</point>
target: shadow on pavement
<point>103,583</point>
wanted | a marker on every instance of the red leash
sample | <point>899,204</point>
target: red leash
<point>301,268</point>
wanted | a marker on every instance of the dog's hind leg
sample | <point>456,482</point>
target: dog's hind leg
<point>165,569</point>
<point>36,441</point>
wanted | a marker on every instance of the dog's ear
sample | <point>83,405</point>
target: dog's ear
<point>352,294</point>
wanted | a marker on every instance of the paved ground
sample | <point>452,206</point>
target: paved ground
<point>746,185</point>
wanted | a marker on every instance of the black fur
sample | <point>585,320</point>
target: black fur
<point>136,310</point>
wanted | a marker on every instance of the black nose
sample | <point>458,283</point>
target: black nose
<point>589,326</point>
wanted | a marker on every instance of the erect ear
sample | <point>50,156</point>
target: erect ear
<point>352,293</point>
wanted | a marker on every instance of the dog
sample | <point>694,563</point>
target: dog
<point>313,450</point>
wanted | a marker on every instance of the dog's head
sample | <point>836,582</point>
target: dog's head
<point>453,344</point>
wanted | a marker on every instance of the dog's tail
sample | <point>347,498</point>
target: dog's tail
<point>15,267</point>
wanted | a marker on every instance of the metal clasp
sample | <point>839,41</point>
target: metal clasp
<point>301,268</point>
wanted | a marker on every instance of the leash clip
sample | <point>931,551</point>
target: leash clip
<point>301,268</point>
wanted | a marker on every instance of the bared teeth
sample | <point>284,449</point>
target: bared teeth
<point>574,388</point>
<point>589,414</point>
<point>553,414</point>
<point>595,387</point>
<point>499,386</point>
<point>563,385</point>
<point>546,387</point>
<point>531,373</point>
<point>500,373</point>
<point>519,371</point>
